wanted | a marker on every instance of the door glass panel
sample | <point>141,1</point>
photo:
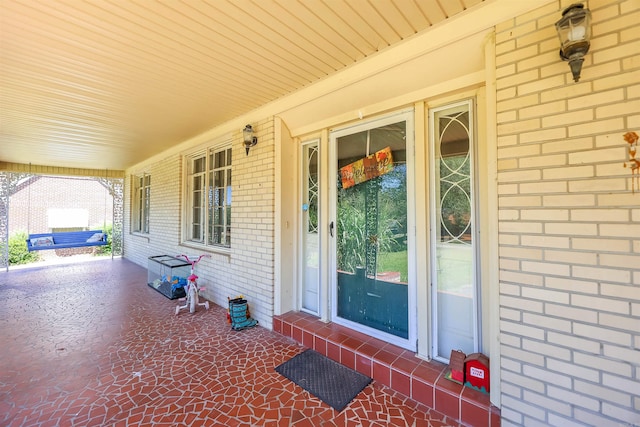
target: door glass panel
<point>310,237</point>
<point>453,243</point>
<point>371,234</point>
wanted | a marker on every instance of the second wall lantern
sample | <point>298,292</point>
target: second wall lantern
<point>249,139</point>
<point>574,30</point>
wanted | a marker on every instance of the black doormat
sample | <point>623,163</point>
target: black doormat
<point>166,289</point>
<point>334,384</point>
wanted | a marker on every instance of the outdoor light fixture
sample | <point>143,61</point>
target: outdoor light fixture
<point>249,139</point>
<point>574,30</point>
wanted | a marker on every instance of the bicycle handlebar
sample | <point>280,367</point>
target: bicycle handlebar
<point>194,262</point>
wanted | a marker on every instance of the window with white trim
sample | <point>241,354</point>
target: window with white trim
<point>141,203</point>
<point>208,214</point>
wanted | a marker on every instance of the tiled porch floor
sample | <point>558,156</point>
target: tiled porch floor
<point>423,381</point>
<point>90,344</point>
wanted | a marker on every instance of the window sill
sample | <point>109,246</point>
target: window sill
<point>207,249</point>
<point>140,235</point>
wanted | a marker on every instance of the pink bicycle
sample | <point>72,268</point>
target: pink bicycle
<point>192,300</point>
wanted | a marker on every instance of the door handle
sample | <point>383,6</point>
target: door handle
<point>331,226</point>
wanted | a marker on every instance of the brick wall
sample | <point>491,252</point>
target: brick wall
<point>569,226</point>
<point>248,268</point>
<point>28,207</point>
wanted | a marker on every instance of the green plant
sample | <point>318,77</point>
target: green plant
<point>18,253</point>
<point>106,249</point>
<point>387,205</point>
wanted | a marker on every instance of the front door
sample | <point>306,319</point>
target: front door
<point>373,288</point>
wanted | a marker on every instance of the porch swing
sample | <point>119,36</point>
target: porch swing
<point>66,239</point>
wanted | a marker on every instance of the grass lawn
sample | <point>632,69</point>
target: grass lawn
<point>394,261</point>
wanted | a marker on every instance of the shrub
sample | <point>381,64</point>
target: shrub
<point>106,249</point>
<point>18,253</point>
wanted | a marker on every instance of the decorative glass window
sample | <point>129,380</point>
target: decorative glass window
<point>141,203</point>
<point>209,204</point>
<point>454,244</point>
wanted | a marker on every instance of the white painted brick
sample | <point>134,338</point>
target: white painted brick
<point>545,295</point>
<point>628,415</point>
<point>601,215</point>
<point>519,176</point>
<point>568,172</point>
<point>571,228</point>
<point>620,291</point>
<point>603,274</point>
<point>604,393</point>
<point>579,116</point>
<point>602,334</point>
<point>507,189</point>
<point>572,313</point>
<point>571,257</point>
<point>546,376</point>
<point>545,214</point>
<point>572,397</point>
<point>521,278</point>
<point>532,422</point>
<point>569,200</point>
<point>545,241</point>
<point>600,304</point>
<point>546,268</point>
<point>511,340</point>
<point>524,408</point>
<point>524,253</point>
<point>518,151</point>
<point>560,421</point>
<point>602,364</point>
<point>508,289</point>
<point>521,356</point>
<point>595,185</point>
<point>521,330</point>
<point>509,314</point>
<point>543,135</point>
<point>510,418</point>
<point>548,323</point>
<point>519,303</point>
<point>520,226</point>
<point>624,323</point>
<point>511,390</point>
<point>523,381</point>
<point>548,350</point>
<point>566,146</point>
<point>508,239</point>
<point>543,161</point>
<point>618,200</point>
<point>523,201</point>
<point>574,342</point>
<point>509,264</point>
<point>596,126</point>
<point>593,419</point>
<point>544,187</point>
<point>597,244</point>
<point>594,156</point>
<point>619,260</point>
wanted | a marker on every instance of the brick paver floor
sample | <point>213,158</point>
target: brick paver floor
<point>90,344</point>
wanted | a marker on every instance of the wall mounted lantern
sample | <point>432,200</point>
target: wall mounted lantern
<point>249,139</point>
<point>574,30</point>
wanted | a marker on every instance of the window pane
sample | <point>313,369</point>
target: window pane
<point>208,198</point>
<point>199,165</point>
<point>454,250</point>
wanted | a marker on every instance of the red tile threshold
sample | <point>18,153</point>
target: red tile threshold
<point>392,366</point>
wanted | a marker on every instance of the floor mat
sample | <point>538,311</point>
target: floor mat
<point>334,384</point>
